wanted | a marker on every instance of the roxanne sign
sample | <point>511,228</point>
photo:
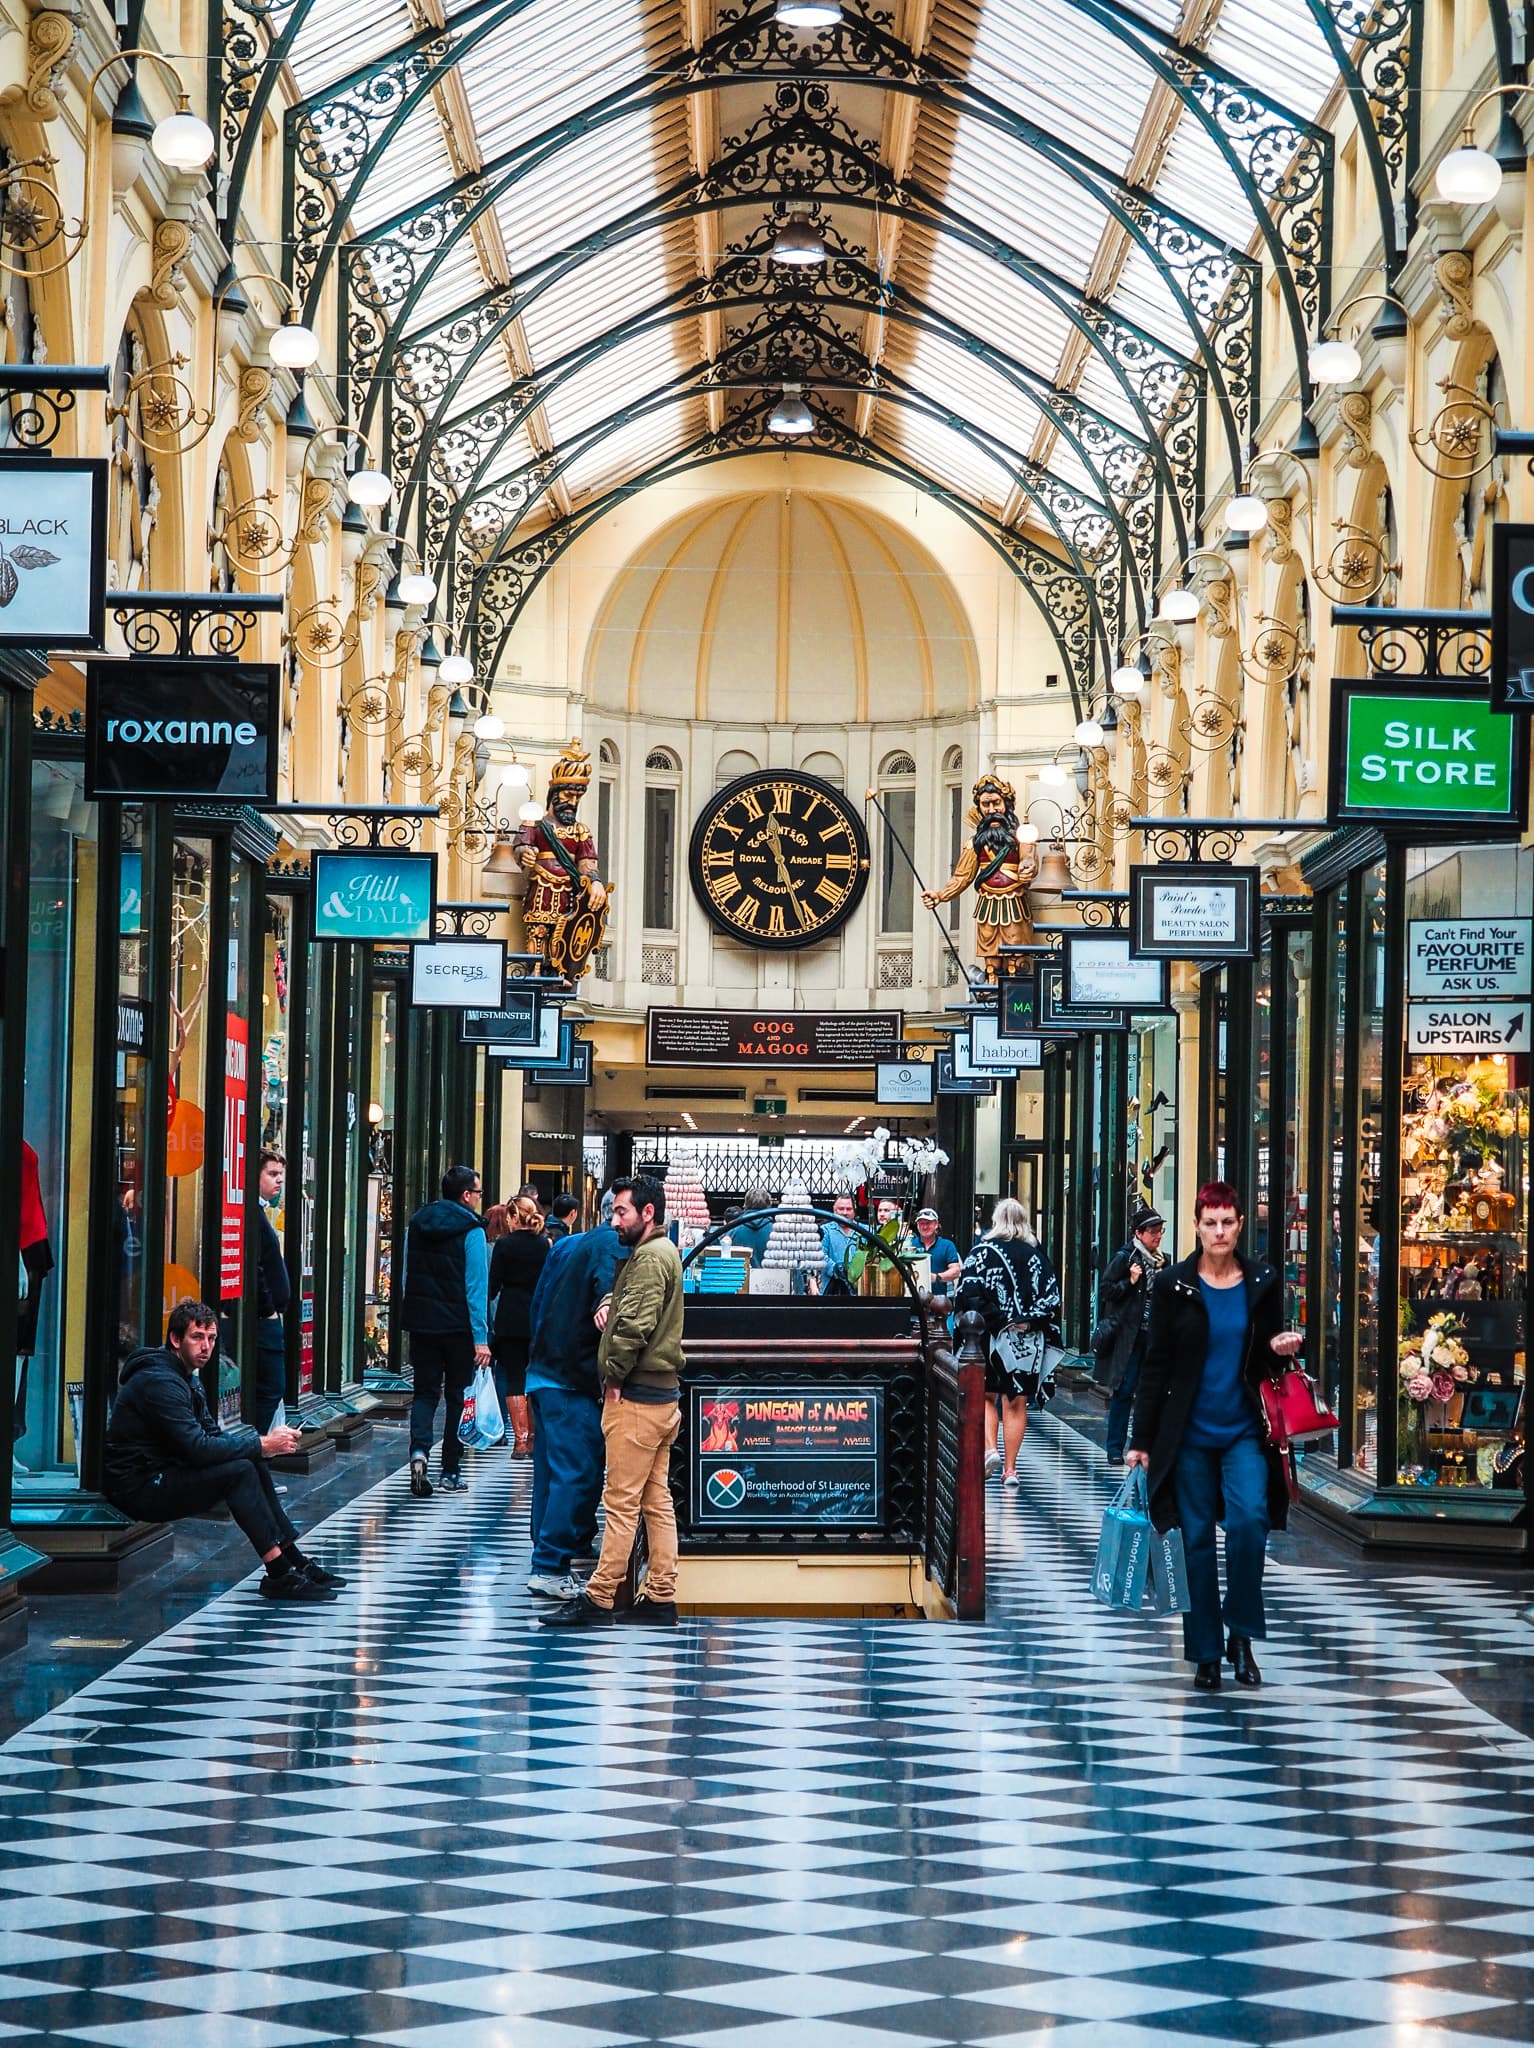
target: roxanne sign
<point>53,543</point>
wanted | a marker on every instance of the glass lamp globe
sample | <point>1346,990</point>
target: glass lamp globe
<point>516,777</point>
<point>456,670</point>
<point>808,13</point>
<point>488,727</point>
<point>1246,513</point>
<point>791,417</point>
<point>1178,607</point>
<point>369,488</point>
<point>530,813</point>
<point>1468,177</point>
<point>799,242</point>
<point>182,142</point>
<point>416,587</point>
<point>293,346</point>
<point>1089,733</point>
<point>1333,362</point>
<point>1127,681</point>
<point>1027,835</point>
<point>1053,775</point>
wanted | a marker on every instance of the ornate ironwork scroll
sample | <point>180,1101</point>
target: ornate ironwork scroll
<point>189,624</point>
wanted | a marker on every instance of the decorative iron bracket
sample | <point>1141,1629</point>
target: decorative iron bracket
<point>468,920</point>
<point>191,624</point>
<point>1188,838</point>
<point>40,396</point>
<point>1420,643</point>
<point>1101,909</point>
<point>372,825</point>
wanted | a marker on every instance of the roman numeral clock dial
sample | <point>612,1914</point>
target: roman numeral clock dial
<point>779,860</point>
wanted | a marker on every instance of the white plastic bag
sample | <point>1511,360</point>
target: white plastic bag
<point>280,1419</point>
<point>483,1425</point>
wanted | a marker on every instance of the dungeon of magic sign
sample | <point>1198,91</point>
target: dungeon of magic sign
<point>786,1456</point>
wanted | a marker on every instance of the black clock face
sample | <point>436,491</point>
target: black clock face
<point>779,860</point>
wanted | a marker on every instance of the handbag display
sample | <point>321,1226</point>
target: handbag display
<point>1292,1412</point>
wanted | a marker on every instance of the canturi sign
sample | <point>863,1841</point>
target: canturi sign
<point>1435,752</point>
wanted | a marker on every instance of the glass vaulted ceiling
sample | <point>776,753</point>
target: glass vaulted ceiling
<point>526,207</point>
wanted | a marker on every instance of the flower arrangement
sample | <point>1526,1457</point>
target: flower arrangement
<point>1433,1364</point>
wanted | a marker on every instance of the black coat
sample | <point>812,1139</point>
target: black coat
<point>1174,1366</point>
<point>1122,1300</point>
<point>161,1421</point>
<point>516,1260</point>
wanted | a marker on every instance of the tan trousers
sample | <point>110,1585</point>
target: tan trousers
<point>639,1439</point>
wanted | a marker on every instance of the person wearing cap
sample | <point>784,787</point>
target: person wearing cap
<point>942,1251</point>
<point>1123,1324</point>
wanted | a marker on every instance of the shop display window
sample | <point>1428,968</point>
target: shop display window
<point>1460,1353</point>
<point>131,1100</point>
<point>1290,1246</point>
<point>1330,1273</point>
<point>1367,1215</point>
<point>186,1128</point>
<point>379,1274</point>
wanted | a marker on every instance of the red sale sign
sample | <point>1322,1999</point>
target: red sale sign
<point>231,1264</point>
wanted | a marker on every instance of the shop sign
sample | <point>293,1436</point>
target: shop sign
<point>981,1050</point>
<point>1512,618</point>
<point>780,1456</point>
<point>788,1038</point>
<point>306,1346</point>
<point>1468,1027</point>
<point>130,893</point>
<point>949,1083</point>
<point>541,1050</point>
<point>457,973</point>
<point>1060,1019</point>
<point>1186,910</point>
<point>53,550</point>
<point>190,729</point>
<point>514,1023</point>
<point>1482,957</point>
<point>903,1082</point>
<point>132,1018</point>
<point>376,894</point>
<point>231,1261</point>
<point>571,1069</point>
<point>1102,972</point>
<point>1434,753</point>
<point>1017,1006</point>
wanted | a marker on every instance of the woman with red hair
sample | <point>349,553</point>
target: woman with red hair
<point>1216,1332</point>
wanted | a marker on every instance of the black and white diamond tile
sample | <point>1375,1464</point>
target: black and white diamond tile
<point>415,1819</point>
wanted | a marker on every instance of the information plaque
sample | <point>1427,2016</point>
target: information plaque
<point>782,1456</point>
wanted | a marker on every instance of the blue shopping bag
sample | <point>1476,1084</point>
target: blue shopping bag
<point>1124,1547</point>
<point>1167,1592</point>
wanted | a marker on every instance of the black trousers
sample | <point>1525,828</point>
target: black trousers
<point>271,1371</point>
<point>439,1364</point>
<point>243,1485</point>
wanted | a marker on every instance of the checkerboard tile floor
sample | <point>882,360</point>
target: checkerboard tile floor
<point>413,1818</point>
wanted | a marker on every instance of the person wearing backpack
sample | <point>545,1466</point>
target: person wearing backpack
<point>1123,1328</point>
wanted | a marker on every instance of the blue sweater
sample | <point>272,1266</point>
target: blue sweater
<point>562,1339</point>
<point>1221,1411</point>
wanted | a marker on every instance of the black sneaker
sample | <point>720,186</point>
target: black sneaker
<point>655,1613</point>
<point>579,1613</point>
<point>454,1482</point>
<point>292,1583</point>
<point>420,1485</point>
<point>318,1575</point>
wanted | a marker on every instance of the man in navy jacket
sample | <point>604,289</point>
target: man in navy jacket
<point>566,1397</point>
<point>446,1308</point>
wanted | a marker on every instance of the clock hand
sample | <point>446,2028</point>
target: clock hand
<point>775,841</point>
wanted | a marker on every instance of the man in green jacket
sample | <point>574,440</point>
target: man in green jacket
<point>640,1360</point>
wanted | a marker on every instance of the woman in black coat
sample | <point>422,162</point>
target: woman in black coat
<point>1216,1333</point>
<point>516,1260</point>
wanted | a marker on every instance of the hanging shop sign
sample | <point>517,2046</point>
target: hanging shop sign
<point>789,1038</point>
<point>186,729</point>
<point>572,1066</point>
<point>780,1456</point>
<point>1102,972</point>
<point>982,1051</point>
<point>1436,753</point>
<point>1512,618</point>
<point>1017,1006</point>
<point>53,551</point>
<point>1470,957</point>
<point>898,1083</point>
<point>513,1023</point>
<point>231,1241</point>
<point>1468,1027</point>
<point>542,1050</point>
<point>1061,1019</point>
<point>948,1082</point>
<point>455,974</point>
<point>377,894</point>
<point>1186,910</point>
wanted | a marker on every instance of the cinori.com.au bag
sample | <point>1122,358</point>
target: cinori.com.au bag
<point>482,1425</point>
<point>1124,1547</point>
<point>1167,1592</point>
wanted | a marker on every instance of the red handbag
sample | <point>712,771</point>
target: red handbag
<point>1292,1410</point>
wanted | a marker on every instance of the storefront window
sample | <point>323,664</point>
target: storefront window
<point>1464,1196</point>
<point>235,1154</point>
<point>1267,1174</point>
<point>59,1077</point>
<point>190,914</point>
<point>1371,1109</point>
<point>1295,1055</point>
<point>131,1113</point>
<point>379,1276</point>
<point>1330,1242</point>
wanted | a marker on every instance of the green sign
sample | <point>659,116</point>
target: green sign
<point>1426,755</point>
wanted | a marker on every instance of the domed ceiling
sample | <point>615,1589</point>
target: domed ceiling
<point>782,607</point>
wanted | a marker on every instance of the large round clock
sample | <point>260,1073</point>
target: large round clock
<point>779,859</point>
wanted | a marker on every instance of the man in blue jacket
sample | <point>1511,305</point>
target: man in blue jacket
<point>566,1397</point>
<point>445,1307</point>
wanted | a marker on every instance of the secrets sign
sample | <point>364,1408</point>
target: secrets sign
<point>784,1455</point>
<point>1481,957</point>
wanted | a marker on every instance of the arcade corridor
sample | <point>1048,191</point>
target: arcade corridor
<point>414,1819</point>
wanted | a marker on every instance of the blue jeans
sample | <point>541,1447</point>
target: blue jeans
<point>568,1463</point>
<point>1240,1473</point>
<point>1121,1404</point>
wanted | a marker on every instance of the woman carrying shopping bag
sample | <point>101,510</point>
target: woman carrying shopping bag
<point>1008,1278</point>
<point>1216,1333</point>
<point>516,1260</point>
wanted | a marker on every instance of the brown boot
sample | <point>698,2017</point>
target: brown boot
<point>521,1425</point>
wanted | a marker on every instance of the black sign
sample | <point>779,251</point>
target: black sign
<point>786,1456</point>
<point>1512,618</point>
<point>573,1067</point>
<point>1017,1012</point>
<point>132,1024</point>
<point>1057,1017</point>
<point>1193,910</point>
<point>181,729</point>
<point>776,1038</point>
<point>515,1023</point>
<point>948,1083</point>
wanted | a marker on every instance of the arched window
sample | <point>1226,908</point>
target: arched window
<point>897,843</point>
<point>607,804</point>
<point>1484,491</point>
<point>607,754</point>
<point>953,818</point>
<point>732,765</point>
<point>662,795</point>
<point>827,767</point>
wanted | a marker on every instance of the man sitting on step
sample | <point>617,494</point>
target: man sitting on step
<point>166,1457</point>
